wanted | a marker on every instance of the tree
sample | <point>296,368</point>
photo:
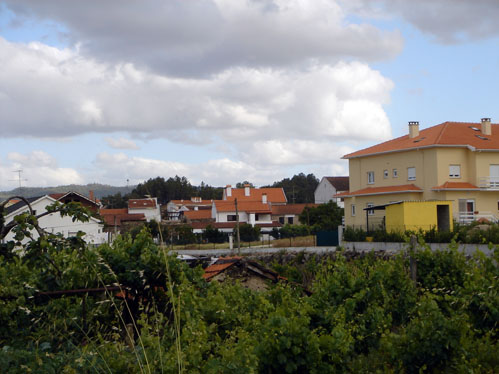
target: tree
<point>323,217</point>
<point>248,233</point>
<point>243,184</point>
<point>116,201</point>
<point>299,189</point>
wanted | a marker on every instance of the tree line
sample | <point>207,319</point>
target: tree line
<point>298,189</point>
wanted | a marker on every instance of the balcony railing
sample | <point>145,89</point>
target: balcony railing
<point>489,182</point>
<point>466,218</point>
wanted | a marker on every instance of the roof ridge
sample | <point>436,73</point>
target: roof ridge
<point>444,127</point>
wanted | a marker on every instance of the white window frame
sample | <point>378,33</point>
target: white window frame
<point>395,173</point>
<point>370,177</point>
<point>385,173</point>
<point>411,173</point>
<point>352,210</point>
<point>370,212</point>
<point>455,171</point>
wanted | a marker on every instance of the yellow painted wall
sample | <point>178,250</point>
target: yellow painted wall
<point>415,215</point>
<point>359,220</point>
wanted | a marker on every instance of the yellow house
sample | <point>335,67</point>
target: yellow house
<point>453,161</point>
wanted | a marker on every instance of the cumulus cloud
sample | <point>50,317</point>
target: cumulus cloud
<point>121,143</point>
<point>113,168</point>
<point>68,94</point>
<point>200,37</point>
<point>38,169</point>
<point>449,21</point>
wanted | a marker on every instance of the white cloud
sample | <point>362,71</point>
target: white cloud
<point>115,168</point>
<point>121,143</point>
<point>202,37</point>
<point>39,169</point>
<point>67,95</point>
<point>449,21</point>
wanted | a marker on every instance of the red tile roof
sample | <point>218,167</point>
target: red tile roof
<point>191,203</point>
<point>381,190</point>
<point>220,266</point>
<point>459,134</point>
<point>455,186</point>
<point>295,209</point>
<point>197,214</point>
<point>274,194</point>
<point>340,183</point>
<point>141,203</point>
<point>116,216</point>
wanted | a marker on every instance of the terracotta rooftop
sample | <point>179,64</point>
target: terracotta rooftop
<point>455,186</point>
<point>197,214</point>
<point>291,208</point>
<point>459,134</point>
<point>141,203</point>
<point>186,202</point>
<point>274,194</point>
<point>340,183</point>
<point>116,216</point>
<point>381,190</point>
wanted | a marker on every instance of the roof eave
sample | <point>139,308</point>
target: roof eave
<point>384,193</point>
<point>471,148</point>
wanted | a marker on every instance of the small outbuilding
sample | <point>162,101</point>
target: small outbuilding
<point>416,215</point>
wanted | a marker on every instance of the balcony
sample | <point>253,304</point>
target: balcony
<point>491,183</point>
<point>468,217</point>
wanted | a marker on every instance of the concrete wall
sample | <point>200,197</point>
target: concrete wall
<point>468,249</point>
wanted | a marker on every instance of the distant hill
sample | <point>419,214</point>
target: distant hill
<point>100,190</point>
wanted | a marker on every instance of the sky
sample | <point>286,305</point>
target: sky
<point>223,91</point>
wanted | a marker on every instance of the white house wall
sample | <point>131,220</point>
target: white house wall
<point>54,223</point>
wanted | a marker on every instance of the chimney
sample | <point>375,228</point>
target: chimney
<point>246,190</point>
<point>264,198</point>
<point>228,190</point>
<point>486,127</point>
<point>91,195</point>
<point>413,129</point>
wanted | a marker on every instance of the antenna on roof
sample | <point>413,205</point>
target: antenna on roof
<point>19,179</point>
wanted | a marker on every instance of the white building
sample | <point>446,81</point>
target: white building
<point>54,223</point>
<point>330,186</point>
<point>149,207</point>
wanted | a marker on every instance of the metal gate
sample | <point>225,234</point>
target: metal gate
<point>327,238</point>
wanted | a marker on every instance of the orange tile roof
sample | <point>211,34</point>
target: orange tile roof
<point>274,194</point>
<point>221,265</point>
<point>242,206</point>
<point>116,216</point>
<point>455,186</point>
<point>141,203</point>
<point>381,190</point>
<point>228,225</point>
<point>198,214</point>
<point>444,135</point>
<point>291,208</point>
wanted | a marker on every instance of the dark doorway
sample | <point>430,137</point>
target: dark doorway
<point>443,218</point>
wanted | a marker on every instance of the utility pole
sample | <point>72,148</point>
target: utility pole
<point>238,237</point>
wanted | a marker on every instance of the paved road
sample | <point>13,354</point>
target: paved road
<point>253,250</point>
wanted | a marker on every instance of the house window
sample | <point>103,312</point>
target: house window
<point>411,174</point>
<point>281,220</point>
<point>34,212</point>
<point>395,173</point>
<point>353,210</point>
<point>385,173</point>
<point>370,211</point>
<point>370,177</point>
<point>455,171</point>
<point>290,220</point>
<point>257,217</point>
<point>231,218</point>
